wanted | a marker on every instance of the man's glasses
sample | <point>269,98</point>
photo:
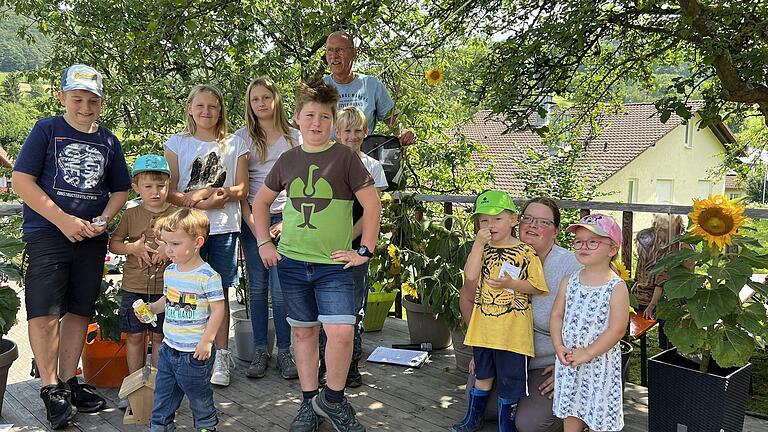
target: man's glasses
<point>336,50</point>
<point>589,244</point>
<point>530,220</point>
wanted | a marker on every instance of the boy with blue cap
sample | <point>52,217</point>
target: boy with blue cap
<point>72,176</point>
<point>507,273</point>
<point>146,260</point>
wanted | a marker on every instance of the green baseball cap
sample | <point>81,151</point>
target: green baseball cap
<point>150,162</point>
<point>493,202</point>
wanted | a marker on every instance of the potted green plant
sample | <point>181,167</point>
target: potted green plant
<point>104,357</point>
<point>385,283</point>
<point>703,382</point>
<point>432,258</point>
<point>10,248</point>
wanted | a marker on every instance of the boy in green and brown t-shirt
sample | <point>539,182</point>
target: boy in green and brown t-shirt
<point>314,258</point>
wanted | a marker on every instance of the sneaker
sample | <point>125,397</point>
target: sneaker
<point>354,379</point>
<point>84,396</point>
<point>341,415</point>
<point>306,420</point>
<point>122,403</point>
<point>59,409</point>
<point>221,366</point>
<point>258,367</point>
<point>286,365</point>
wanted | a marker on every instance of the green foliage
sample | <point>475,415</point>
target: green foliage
<point>416,250</point>
<point>16,120</point>
<point>22,47</point>
<point>10,249</point>
<point>9,88</point>
<point>107,316</point>
<point>702,306</point>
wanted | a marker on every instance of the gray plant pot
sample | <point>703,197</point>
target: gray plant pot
<point>8,353</point>
<point>424,327</point>
<point>244,347</point>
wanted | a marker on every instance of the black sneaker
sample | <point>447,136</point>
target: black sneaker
<point>341,415</point>
<point>306,420</point>
<point>58,407</point>
<point>84,397</point>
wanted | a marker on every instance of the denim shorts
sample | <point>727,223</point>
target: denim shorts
<point>509,368</point>
<point>62,276</point>
<point>220,251</point>
<point>128,321</point>
<point>317,293</point>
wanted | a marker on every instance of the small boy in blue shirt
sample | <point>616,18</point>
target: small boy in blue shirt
<point>72,176</point>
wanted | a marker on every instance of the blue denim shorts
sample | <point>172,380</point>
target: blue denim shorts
<point>509,368</point>
<point>128,321</point>
<point>317,293</point>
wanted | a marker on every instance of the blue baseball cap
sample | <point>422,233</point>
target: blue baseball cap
<point>82,77</point>
<point>151,162</point>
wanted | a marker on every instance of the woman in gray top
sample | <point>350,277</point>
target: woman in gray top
<point>539,224</point>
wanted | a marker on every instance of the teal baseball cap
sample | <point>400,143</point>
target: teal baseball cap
<point>493,202</point>
<point>150,162</point>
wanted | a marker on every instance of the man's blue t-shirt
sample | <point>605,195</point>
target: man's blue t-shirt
<point>368,94</point>
<point>76,170</point>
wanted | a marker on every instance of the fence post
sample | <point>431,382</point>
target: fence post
<point>626,239</point>
<point>448,209</point>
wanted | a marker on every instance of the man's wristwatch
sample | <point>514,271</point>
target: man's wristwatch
<point>363,251</point>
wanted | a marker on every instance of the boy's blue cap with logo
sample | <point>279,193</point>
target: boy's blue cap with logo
<point>82,77</point>
<point>493,202</point>
<point>150,162</point>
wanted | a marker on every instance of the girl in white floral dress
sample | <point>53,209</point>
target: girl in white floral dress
<point>589,318</point>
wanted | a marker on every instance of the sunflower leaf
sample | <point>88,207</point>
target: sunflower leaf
<point>683,332</point>
<point>760,287</point>
<point>683,283</point>
<point>753,319</point>
<point>734,274</point>
<point>707,306</point>
<point>673,260</point>
<point>732,347</point>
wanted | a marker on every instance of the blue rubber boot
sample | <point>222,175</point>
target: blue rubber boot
<point>473,420</point>
<point>507,408</point>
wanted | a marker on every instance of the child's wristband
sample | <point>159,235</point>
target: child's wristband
<point>262,243</point>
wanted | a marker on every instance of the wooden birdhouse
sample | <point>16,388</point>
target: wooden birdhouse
<point>139,388</point>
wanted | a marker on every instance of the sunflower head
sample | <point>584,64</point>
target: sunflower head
<point>716,220</point>
<point>434,76</point>
<point>622,270</point>
<point>409,291</point>
<point>392,251</point>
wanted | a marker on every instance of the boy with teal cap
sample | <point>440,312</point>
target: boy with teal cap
<point>507,273</point>
<point>135,237</point>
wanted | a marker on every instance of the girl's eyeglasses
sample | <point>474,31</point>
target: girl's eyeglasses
<point>589,244</point>
<point>530,220</point>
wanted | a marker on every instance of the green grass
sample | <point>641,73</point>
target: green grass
<point>758,398</point>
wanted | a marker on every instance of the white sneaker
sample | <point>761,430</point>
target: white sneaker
<point>221,367</point>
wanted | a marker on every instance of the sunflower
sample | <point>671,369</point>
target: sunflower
<point>434,76</point>
<point>409,291</point>
<point>622,270</point>
<point>716,220</point>
<point>392,251</point>
<point>386,197</point>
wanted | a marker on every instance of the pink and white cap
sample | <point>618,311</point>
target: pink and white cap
<point>600,224</point>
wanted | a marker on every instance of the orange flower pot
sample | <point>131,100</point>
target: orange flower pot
<point>104,363</point>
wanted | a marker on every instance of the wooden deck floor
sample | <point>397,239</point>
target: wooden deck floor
<point>391,399</point>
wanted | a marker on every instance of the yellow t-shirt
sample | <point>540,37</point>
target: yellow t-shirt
<point>501,319</point>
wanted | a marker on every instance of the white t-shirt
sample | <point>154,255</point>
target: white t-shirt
<point>257,171</point>
<point>377,171</point>
<point>201,165</point>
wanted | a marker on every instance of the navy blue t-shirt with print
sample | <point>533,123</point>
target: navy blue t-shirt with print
<point>76,170</point>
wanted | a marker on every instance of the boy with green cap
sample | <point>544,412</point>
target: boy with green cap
<point>136,238</point>
<point>507,273</point>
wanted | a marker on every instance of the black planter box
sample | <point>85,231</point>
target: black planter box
<point>682,399</point>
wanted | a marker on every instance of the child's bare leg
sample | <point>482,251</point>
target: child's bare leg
<point>135,350</point>
<point>484,384</point>
<point>157,340</point>
<point>573,424</point>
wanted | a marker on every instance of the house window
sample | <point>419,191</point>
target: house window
<point>733,196</point>
<point>703,188</point>
<point>688,139</point>
<point>632,190</point>
<point>664,190</point>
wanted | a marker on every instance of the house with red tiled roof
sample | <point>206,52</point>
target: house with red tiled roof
<point>734,188</point>
<point>639,158</point>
